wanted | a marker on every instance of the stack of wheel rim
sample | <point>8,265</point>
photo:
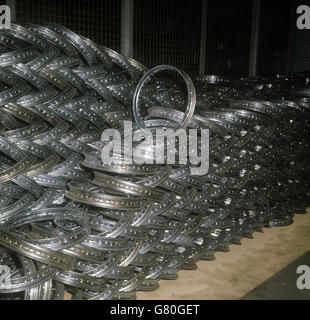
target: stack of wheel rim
<point>71,223</point>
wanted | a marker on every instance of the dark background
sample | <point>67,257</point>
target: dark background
<point>168,31</point>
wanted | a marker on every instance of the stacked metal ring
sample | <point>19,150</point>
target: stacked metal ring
<point>70,223</point>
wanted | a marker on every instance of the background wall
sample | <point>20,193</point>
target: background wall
<point>97,20</point>
<point>170,31</point>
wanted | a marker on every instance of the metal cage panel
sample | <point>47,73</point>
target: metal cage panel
<point>97,20</point>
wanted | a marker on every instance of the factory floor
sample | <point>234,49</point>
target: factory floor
<point>261,268</point>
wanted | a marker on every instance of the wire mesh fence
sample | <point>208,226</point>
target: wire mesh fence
<point>228,37</point>
<point>168,32</point>
<point>97,20</point>
<point>164,32</point>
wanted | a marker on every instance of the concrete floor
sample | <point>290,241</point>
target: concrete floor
<point>235,273</point>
